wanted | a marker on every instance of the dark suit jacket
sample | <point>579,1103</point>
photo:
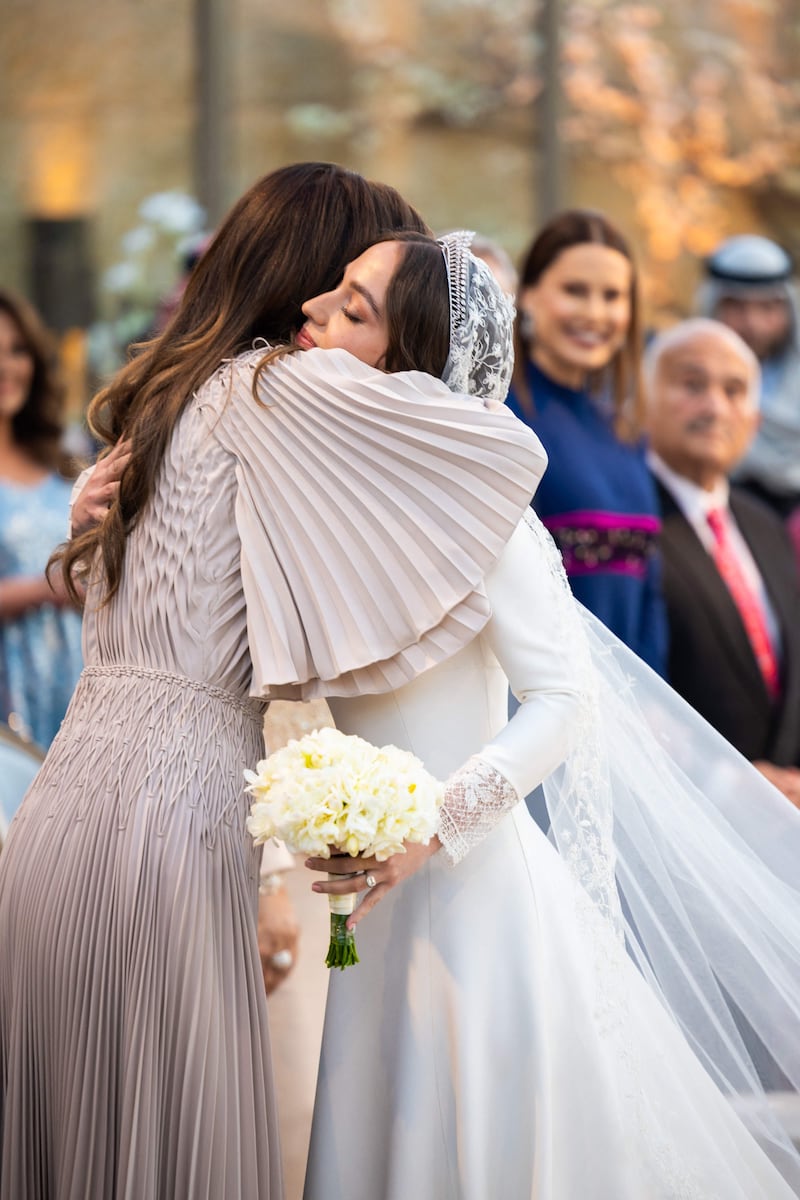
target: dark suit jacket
<point>711,662</point>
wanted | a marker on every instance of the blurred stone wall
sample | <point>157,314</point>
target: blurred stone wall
<point>95,107</point>
<point>97,111</point>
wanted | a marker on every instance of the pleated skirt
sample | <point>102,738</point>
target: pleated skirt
<point>134,1051</point>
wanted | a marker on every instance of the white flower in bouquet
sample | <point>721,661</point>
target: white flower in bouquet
<point>329,791</point>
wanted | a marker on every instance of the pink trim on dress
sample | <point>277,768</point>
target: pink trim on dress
<point>604,543</point>
<point>591,518</point>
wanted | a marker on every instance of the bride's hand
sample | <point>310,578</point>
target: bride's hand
<point>386,874</point>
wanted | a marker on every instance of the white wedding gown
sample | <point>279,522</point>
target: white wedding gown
<point>495,1040</point>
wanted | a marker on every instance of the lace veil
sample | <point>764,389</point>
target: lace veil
<point>694,859</point>
<point>481,354</point>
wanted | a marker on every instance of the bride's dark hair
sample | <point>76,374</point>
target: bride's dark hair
<point>418,307</point>
<point>289,237</point>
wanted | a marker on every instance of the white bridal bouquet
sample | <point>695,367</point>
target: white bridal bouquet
<point>331,791</point>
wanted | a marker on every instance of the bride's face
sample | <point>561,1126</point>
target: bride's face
<point>353,316</point>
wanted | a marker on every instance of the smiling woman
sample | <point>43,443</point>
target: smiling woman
<point>576,383</point>
<point>581,310</point>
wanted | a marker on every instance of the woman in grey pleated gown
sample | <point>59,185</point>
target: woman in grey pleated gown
<point>134,1052</point>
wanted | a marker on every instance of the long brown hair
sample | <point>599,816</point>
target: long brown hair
<point>576,227</point>
<point>38,427</point>
<point>289,237</point>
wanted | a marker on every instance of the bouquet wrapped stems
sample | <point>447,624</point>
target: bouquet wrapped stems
<point>342,949</point>
<point>331,791</point>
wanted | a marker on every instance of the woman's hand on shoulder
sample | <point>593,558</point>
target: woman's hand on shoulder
<point>373,879</point>
<point>100,490</point>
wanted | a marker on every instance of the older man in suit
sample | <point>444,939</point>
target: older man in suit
<point>729,576</point>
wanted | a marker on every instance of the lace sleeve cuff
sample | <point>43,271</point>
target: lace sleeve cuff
<point>475,799</point>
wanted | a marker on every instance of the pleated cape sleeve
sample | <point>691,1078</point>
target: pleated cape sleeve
<point>370,507</point>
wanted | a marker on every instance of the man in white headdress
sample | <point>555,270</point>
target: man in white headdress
<point>749,286</point>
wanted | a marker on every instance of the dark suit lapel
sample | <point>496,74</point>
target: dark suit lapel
<point>691,557</point>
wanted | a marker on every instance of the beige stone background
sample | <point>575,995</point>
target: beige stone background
<point>681,119</point>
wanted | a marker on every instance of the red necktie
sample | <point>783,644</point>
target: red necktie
<point>745,600</point>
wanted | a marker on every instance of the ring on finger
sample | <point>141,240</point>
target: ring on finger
<point>370,880</point>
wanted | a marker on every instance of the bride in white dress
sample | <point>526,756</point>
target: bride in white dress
<point>496,1039</point>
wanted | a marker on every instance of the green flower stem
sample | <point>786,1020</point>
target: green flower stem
<point>342,949</point>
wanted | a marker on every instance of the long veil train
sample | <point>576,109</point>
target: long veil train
<point>695,858</point>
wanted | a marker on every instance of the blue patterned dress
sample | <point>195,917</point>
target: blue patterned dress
<point>40,652</point>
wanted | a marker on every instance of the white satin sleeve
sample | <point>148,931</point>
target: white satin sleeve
<point>526,637</point>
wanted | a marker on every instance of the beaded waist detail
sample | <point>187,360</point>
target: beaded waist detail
<point>595,543</point>
<point>154,675</point>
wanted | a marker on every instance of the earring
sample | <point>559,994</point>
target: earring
<point>527,327</point>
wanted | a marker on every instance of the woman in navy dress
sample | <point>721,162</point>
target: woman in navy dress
<point>576,383</point>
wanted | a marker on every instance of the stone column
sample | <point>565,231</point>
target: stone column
<point>211,44</point>
<point>550,159</point>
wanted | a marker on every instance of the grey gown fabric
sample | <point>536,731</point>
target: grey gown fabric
<point>134,1052</point>
<point>133,1023</point>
